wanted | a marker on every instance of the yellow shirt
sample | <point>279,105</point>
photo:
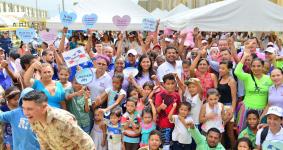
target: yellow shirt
<point>61,132</point>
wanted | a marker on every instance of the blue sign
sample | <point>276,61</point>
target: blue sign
<point>26,35</point>
<point>67,18</point>
<point>89,20</point>
<point>84,76</point>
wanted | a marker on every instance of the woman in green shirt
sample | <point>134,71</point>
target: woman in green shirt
<point>256,88</point>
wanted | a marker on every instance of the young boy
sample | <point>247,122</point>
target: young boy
<point>252,122</point>
<point>274,130</point>
<point>164,102</point>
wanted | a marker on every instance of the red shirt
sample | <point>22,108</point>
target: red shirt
<point>169,99</point>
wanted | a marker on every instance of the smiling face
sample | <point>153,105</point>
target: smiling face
<point>252,121</point>
<point>145,64</point>
<point>46,72</point>
<point>64,76</point>
<point>171,55</point>
<point>276,77</point>
<point>257,67</point>
<point>119,65</point>
<point>202,66</point>
<point>33,111</point>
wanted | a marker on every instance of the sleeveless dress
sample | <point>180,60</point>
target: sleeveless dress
<point>206,82</point>
<point>146,129</point>
<point>216,122</point>
<point>97,136</point>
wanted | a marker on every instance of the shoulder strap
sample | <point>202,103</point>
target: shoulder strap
<point>263,135</point>
<point>254,81</point>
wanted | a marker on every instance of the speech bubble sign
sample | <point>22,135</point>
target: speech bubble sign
<point>121,22</point>
<point>67,18</point>
<point>149,24</point>
<point>168,31</point>
<point>89,20</point>
<point>48,37</point>
<point>84,76</point>
<point>26,35</point>
<point>189,41</point>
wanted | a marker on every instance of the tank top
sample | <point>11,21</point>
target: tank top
<point>225,92</point>
<point>146,129</point>
<point>206,82</point>
<point>216,122</point>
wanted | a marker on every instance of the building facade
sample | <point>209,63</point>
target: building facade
<point>30,12</point>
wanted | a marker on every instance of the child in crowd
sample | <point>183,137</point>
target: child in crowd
<point>147,93</point>
<point>212,113</point>
<point>113,95</point>
<point>64,75</point>
<point>244,143</point>
<point>181,137</point>
<point>12,95</point>
<point>114,133</point>
<point>154,141</point>
<point>98,132</point>
<point>164,101</point>
<point>186,69</point>
<point>78,103</point>
<point>251,129</point>
<point>192,93</point>
<point>148,123</point>
<point>130,125</point>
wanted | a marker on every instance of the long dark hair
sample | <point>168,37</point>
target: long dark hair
<point>150,70</point>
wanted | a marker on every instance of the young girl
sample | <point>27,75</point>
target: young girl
<point>212,113</point>
<point>98,132</point>
<point>148,123</point>
<point>11,95</point>
<point>181,137</point>
<point>130,125</point>
<point>64,75</point>
<point>244,144</point>
<point>114,133</point>
<point>154,141</point>
<point>251,130</point>
<point>113,95</point>
<point>78,103</point>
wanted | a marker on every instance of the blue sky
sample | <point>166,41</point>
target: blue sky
<point>50,5</point>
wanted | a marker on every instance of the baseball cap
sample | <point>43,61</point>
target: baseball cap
<point>156,46</point>
<point>23,93</point>
<point>270,44</point>
<point>270,50</point>
<point>203,41</point>
<point>132,34</point>
<point>1,49</point>
<point>275,110</point>
<point>132,51</point>
<point>168,40</point>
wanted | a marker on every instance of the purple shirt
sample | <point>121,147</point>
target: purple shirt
<point>144,78</point>
<point>275,96</point>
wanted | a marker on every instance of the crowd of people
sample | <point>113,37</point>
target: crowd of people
<point>224,92</point>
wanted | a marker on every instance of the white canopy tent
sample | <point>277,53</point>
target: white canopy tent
<point>231,15</point>
<point>159,14</point>
<point>9,18</point>
<point>178,9</point>
<point>105,10</point>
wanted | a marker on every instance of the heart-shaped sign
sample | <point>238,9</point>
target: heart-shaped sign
<point>48,37</point>
<point>89,20</point>
<point>121,22</point>
<point>26,35</point>
<point>67,18</point>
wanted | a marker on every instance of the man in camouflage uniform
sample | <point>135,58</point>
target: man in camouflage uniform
<point>56,129</point>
